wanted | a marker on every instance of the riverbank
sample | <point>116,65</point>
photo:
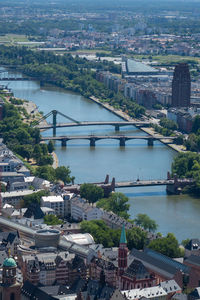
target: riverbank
<point>32,110</point>
<point>126,117</point>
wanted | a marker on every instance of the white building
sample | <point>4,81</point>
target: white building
<point>54,202</point>
<point>85,239</point>
<point>82,210</point>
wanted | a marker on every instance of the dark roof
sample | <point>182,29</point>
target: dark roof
<point>192,244</point>
<point>78,285</point>
<point>195,294</point>
<point>55,290</point>
<point>136,270</point>
<point>168,260</point>
<point>92,288</point>
<point>193,259</point>
<point>155,263</point>
<point>34,292</point>
<point>6,237</point>
<point>35,211</point>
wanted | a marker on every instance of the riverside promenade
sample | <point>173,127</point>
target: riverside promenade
<point>149,130</point>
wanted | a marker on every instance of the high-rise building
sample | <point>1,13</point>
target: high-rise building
<point>181,86</point>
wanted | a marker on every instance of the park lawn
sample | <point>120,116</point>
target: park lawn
<point>167,59</point>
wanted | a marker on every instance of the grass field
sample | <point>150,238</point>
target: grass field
<point>168,59</point>
<point>13,38</point>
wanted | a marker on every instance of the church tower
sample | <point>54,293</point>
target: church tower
<point>10,288</point>
<point>122,253</point>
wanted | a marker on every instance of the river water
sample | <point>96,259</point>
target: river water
<point>177,214</point>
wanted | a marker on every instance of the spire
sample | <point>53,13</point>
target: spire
<point>123,239</point>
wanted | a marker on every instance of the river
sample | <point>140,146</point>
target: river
<point>177,214</point>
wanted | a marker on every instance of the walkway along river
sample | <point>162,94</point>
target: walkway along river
<point>177,214</point>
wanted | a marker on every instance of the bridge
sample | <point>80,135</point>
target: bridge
<point>73,123</point>
<point>173,185</point>
<point>93,138</point>
<point>15,78</point>
<point>116,124</point>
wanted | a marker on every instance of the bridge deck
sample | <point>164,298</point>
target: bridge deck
<point>98,123</point>
<point>100,137</point>
<point>138,183</point>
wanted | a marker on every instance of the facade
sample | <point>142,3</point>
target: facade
<point>136,276</point>
<point>54,202</point>
<point>82,210</point>
<point>14,198</point>
<point>51,268</point>
<point>181,86</point>
<point>99,266</point>
<point>10,240</point>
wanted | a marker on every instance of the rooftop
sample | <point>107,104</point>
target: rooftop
<point>52,199</point>
<point>138,67</point>
<point>9,262</point>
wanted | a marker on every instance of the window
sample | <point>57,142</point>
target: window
<point>12,296</point>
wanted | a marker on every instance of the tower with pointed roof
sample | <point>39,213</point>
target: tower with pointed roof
<point>122,252</point>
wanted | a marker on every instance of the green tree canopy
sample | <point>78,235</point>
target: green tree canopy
<point>63,173</point>
<point>33,198</point>
<point>167,245</point>
<point>146,222</point>
<point>103,234</point>
<point>51,147</point>
<point>91,192</point>
<point>117,203</point>
<point>52,220</point>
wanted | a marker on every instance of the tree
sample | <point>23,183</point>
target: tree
<point>45,160</point>
<point>136,238</point>
<point>44,149</point>
<point>50,146</point>
<point>45,172</point>
<point>196,124</point>
<point>167,245</point>
<point>37,152</point>
<point>117,203</point>
<point>147,223</point>
<point>33,198</point>
<point>91,192</point>
<point>52,220</point>
<point>63,173</point>
<point>101,233</point>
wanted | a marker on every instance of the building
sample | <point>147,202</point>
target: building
<point>51,268</point>
<point>15,198</point>
<point>10,288</point>
<point>181,86</point>
<point>99,266</point>
<point>10,240</point>
<point>54,202</point>
<point>82,210</point>
<point>131,67</point>
<point>136,276</point>
<point>80,238</point>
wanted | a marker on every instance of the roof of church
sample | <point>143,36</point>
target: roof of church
<point>123,239</point>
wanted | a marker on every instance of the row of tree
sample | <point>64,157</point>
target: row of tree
<point>136,238</point>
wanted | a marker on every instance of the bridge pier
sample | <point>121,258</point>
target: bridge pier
<point>92,142</point>
<point>122,142</point>
<point>150,142</point>
<point>64,143</point>
<point>116,127</point>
